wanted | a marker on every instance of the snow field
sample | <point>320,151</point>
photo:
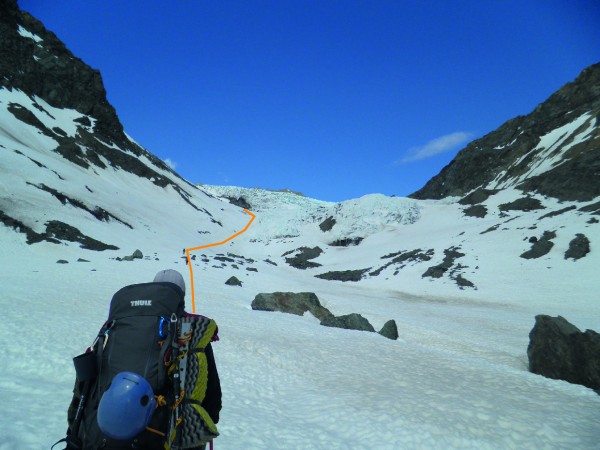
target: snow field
<point>456,378</point>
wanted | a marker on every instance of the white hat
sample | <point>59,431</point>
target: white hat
<point>171,276</point>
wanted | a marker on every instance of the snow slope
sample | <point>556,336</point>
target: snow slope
<point>456,378</point>
<point>491,246</point>
<point>137,208</point>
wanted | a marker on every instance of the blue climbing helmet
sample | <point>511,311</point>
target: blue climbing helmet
<point>126,407</point>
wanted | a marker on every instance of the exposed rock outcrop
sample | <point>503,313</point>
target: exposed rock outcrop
<point>400,259</point>
<point>522,204</point>
<point>302,257</point>
<point>448,267</point>
<point>56,229</point>
<point>346,242</point>
<point>478,211</point>
<point>578,247</point>
<point>239,201</point>
<point>327,224</point>
<point>97,212</point>
<point>47,69</point>
<point>343,275</point>
<point>476,197</point>
<point>451,254</point>
<point>541,246</point>
<point>558,212</point>
<point>594,208</point>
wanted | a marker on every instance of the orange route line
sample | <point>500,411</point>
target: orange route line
<point>216,244</point>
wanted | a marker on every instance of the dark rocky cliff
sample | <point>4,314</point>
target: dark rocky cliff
<point>42,67</point>
<point>47,69</point>
<point>504,157</point>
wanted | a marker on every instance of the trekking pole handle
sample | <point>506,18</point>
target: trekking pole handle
<point>82,401</point>
<point>176,380</point>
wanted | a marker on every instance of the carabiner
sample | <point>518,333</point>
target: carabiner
<point>163,328</point>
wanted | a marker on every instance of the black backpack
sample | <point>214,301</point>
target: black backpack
<point>138,337</point>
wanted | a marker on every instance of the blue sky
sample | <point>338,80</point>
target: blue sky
<point>335,99</point>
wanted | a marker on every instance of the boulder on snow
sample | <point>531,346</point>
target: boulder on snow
<point>135,255</point>
<point>352,321</point>
<point>233,281</point>
<point>293,303</point>
<point>559,350</point>
<point>299,303</point>
<point>389,330</point>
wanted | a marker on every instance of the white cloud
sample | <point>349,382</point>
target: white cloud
<point>169,162</point>
<point>436,146</point>
<point>224,177</point>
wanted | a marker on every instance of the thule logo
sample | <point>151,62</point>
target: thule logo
<point>141,303</point>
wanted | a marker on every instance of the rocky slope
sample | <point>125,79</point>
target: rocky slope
<point>64,150</point>
<point>35,62</point>
<point>554,151</point>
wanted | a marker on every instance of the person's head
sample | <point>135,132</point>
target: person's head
<point>171,276</point>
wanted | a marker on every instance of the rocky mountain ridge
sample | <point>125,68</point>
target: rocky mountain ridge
<point>35,62</point>
<point>554,151</point>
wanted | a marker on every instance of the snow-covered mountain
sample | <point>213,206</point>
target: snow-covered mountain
<point>503,247</point>
<point>508,230</point>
